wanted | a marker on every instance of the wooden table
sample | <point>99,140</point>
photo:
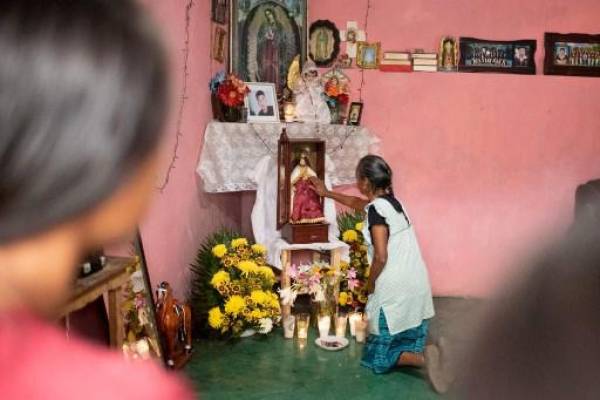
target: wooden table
<point>109,280</point>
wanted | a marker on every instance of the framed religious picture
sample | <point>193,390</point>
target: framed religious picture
<point>323,43</point>
<point>572,54</point>
<point>219,11</point>
<point>266,36</point>
<point>262,103</point>
<point>368,55</point>
<point>511,57</point>
<point>219,44</point>
<point>355,113</point>
<point>300,210</point>
<point>448,59</point>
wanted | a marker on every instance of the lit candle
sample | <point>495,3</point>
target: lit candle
<point>361,330</point>
<point>302,326</point>
<point>353,317</point>
<point>341,322</point>
<point>289,323</point>
<point>324,326</point>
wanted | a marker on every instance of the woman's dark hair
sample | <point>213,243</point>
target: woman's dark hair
<point>83,90</point>
<point>376,171</point>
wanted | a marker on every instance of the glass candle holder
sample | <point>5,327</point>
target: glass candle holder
<point>289,324</point>
<point>354,317</point>
<point>361,330</point>
<point>341,322</point>
<point>324,326</point>
<point>302,325</point>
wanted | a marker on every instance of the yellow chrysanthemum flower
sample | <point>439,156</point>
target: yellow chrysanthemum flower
<point>344,265</point>
<point>343,299</point>
<point>256,314</point>
<point>259,249</point>
<point>248,267</point>
<point>267,272</point>
<point>239,242</point>
<point>216,319</point>
<point>259,297</point>
<point>219,250</point>
<point>350,236</point>
<point>359,226</point>
<point>235,305</point>
<point>220,278</point>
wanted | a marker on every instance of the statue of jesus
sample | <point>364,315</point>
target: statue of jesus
<point>306,203</point>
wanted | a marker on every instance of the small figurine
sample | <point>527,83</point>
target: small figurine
<point>310,105</point>
<point>174,321</point>
<point>306,203</point>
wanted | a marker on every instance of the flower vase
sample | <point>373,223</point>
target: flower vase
<point>338,112</point>
<point>231,114</point>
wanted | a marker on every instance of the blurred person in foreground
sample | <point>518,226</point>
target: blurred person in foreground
<point>541,338</point>
<point>83,90</point>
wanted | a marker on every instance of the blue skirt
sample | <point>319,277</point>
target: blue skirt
<point>382,351</point>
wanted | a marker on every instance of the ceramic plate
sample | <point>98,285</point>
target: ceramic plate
<point>332,343</point>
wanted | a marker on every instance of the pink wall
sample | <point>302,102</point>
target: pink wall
<point>486,163</point>
<point>183,214</point>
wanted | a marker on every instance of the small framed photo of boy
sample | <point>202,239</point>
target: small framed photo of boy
<point>355,113</point>
<point>261,102</point>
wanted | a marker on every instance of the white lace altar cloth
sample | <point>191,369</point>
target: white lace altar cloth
<point>232,151</point>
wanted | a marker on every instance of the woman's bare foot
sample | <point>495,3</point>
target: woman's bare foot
<point>437,371</point>
<point>408,359</point>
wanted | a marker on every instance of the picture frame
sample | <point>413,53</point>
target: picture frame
<point>323,43</point>
<point>368,55</point>
<point>448,54</point>
<point>219,44</point>
<point>355,113</point>
<point>574,54</point>
<point>219,11</point>
<point>262,102</point>
<point>509,57</point>
<point>265,37</point>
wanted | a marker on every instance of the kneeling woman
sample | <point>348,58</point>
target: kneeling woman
<point>400,301</point>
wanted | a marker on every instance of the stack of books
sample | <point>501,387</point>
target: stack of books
<point>395,61</point>
<point>424,62</point>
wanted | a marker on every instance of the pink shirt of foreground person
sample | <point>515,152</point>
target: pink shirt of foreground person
<point>37,361</point>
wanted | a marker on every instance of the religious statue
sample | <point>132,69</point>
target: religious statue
<point>174,320</point>
<point>306,203</point>
<point>310,105</point>
<point>448,60</point>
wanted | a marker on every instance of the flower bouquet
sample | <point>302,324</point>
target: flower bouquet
<point>337,97</point>
<point>244,283</point>
<point>228,93</point>
<point>355,275</point>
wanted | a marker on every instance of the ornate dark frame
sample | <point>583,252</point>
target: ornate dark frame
<point>325,24</point>
<point>530,70</point>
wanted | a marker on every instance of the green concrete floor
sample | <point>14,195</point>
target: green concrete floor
<point>272,367</point>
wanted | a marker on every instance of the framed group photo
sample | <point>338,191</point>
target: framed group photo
<point>509,57</point>
<point>262,103</point>
<point>572,54</point>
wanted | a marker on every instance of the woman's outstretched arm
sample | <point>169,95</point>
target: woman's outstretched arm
<point>356,203</point>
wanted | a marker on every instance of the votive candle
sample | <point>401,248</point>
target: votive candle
<point>302,326</point>
<point>289,323</point>
<point>341,322</point>
<point>324,326</point>
<point>353,317</point>
<point>361,330</point>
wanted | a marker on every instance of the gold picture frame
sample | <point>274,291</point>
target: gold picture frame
<point>368,55</point>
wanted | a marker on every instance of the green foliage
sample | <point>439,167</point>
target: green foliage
<point>347,220</point>
<point>203,296</point>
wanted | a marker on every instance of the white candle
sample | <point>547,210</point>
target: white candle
<point>353,318</point>
<point>361,330</point>
<point>341,322</point>
<point>324,326</point>
<point>302,326</point>
<point>289,323</point>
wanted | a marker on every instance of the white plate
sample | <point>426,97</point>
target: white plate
<point>340,343</point>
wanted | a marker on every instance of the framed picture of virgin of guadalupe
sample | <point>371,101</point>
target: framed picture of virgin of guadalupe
<point>266,36</point>
<point>300,210</point>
